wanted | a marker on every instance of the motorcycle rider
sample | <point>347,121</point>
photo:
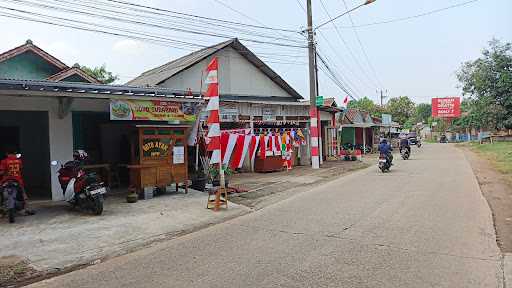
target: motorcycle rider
<point>404,144</point>
<point>10,167</point>
<point>385,148</point>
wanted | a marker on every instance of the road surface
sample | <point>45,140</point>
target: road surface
<point>424,224</point>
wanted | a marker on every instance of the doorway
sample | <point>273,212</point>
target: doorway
<point>27,132</point>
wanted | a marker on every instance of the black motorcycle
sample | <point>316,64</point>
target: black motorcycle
<point>11,198</point>
<point>405,153</point>
<point>384,163</point>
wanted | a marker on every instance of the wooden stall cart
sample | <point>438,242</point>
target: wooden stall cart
<point>158,156</point>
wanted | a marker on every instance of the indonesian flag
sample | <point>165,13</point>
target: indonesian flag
<point>212,93</point>
<point>344,104</point>
<point>253,147</point>
<point>238,152</point>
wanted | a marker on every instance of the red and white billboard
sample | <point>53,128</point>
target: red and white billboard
<point>446,107</point>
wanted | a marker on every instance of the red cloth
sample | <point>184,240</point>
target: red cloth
<point>263,150</point>
<point>252,146</point>
<point>237,154</point>
<point>11,168</point>
<point>224,138</point>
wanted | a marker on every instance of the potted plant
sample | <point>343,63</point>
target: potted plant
<point>201,177</point>
<point>348,155</point>
<point>215,177</point>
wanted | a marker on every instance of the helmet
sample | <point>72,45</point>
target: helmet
<point>80,155</point>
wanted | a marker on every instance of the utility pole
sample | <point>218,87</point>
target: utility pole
<point>313,111</point>
<point>382,97</point>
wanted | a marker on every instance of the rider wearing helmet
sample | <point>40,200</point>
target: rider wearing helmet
<point>385,148</point>
<point>404,143</point>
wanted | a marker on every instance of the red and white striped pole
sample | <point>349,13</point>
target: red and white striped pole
<point>315,156</point>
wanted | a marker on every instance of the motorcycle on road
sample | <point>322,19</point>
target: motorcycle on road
<point>384,163</point>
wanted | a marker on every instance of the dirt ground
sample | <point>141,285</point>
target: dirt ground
<point>498,192</point>
<point>13,269</point>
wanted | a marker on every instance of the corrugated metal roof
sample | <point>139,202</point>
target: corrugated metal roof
<point>76,89</point>
<point>156,76</point>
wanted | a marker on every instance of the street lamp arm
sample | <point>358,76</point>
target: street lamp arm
<point>345,13</point>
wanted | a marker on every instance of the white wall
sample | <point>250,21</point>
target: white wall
<point>237,76</point>
<point>60,130</point>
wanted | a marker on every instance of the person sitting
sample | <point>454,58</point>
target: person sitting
<point>404,144</point>
<point>385,149</point>
<point>10,168</point>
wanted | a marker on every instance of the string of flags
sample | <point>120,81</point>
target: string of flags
<point>235,145</point>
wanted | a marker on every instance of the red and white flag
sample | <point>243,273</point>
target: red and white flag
<point>212,93</point>
<point>344,104</point>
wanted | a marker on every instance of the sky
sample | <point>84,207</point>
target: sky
<point>416,58</point>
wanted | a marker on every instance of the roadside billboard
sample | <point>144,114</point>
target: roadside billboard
<point>448,107</point>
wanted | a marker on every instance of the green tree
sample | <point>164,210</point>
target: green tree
<point>366,104</point>
<point>423,113</point>
<point>487,83</point>
<point>101,73</point>
<point>401,109</point>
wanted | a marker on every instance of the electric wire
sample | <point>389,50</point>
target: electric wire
<point>362,46</point>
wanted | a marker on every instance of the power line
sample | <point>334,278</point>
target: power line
<point>364,72</point>
<point>120,32</point>
<point>413,16</point>
<point>203,24</point>
<point>153,25</point>
<point>362,47</point>
<point>347,83</point>
<point>201,17</point>
<point>342,14</point>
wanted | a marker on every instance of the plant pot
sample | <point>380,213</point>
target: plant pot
<point>216,182</point>
<point>132,197</point>
<point>199,184</point>
<point>353,158</point>
<point>347,157</point>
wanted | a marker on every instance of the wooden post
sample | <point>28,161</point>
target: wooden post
<point>364,140</point>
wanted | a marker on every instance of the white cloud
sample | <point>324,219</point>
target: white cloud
<point>127,46</point>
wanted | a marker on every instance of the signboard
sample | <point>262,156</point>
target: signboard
<point>268,114</point>
<point>446,107</point>
<point>386,119</point>
<point>228,111</point>
<point>319,101</point>
<point>153,110</point>
<point>155,147</point>
<point>178,155</point>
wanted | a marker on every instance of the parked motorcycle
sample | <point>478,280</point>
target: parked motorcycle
<point>384,163</point>
<point>81,189</point>
<point>11,188</point>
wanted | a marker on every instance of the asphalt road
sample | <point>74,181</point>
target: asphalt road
<point>424,224</point>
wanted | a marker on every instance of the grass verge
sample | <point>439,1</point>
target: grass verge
<point>499,153</point>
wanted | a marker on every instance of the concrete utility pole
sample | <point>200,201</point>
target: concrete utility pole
<point>313,111</point>
<point>382,97</point>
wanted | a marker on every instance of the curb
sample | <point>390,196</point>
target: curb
<point>507,270</point>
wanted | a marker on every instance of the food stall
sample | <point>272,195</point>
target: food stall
<point>158,156</point>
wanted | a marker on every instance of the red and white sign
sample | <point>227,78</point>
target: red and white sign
<point>446,107</point>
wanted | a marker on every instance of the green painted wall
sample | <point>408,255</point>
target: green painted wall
<point>348,135</point>
<point>75,78</point>
<point>27,66</point>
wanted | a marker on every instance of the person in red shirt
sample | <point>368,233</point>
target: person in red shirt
<point>11,168</point>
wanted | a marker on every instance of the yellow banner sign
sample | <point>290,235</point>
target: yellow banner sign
<point>153,110</point>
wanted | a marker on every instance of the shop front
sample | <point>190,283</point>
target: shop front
<point>48,120</point>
